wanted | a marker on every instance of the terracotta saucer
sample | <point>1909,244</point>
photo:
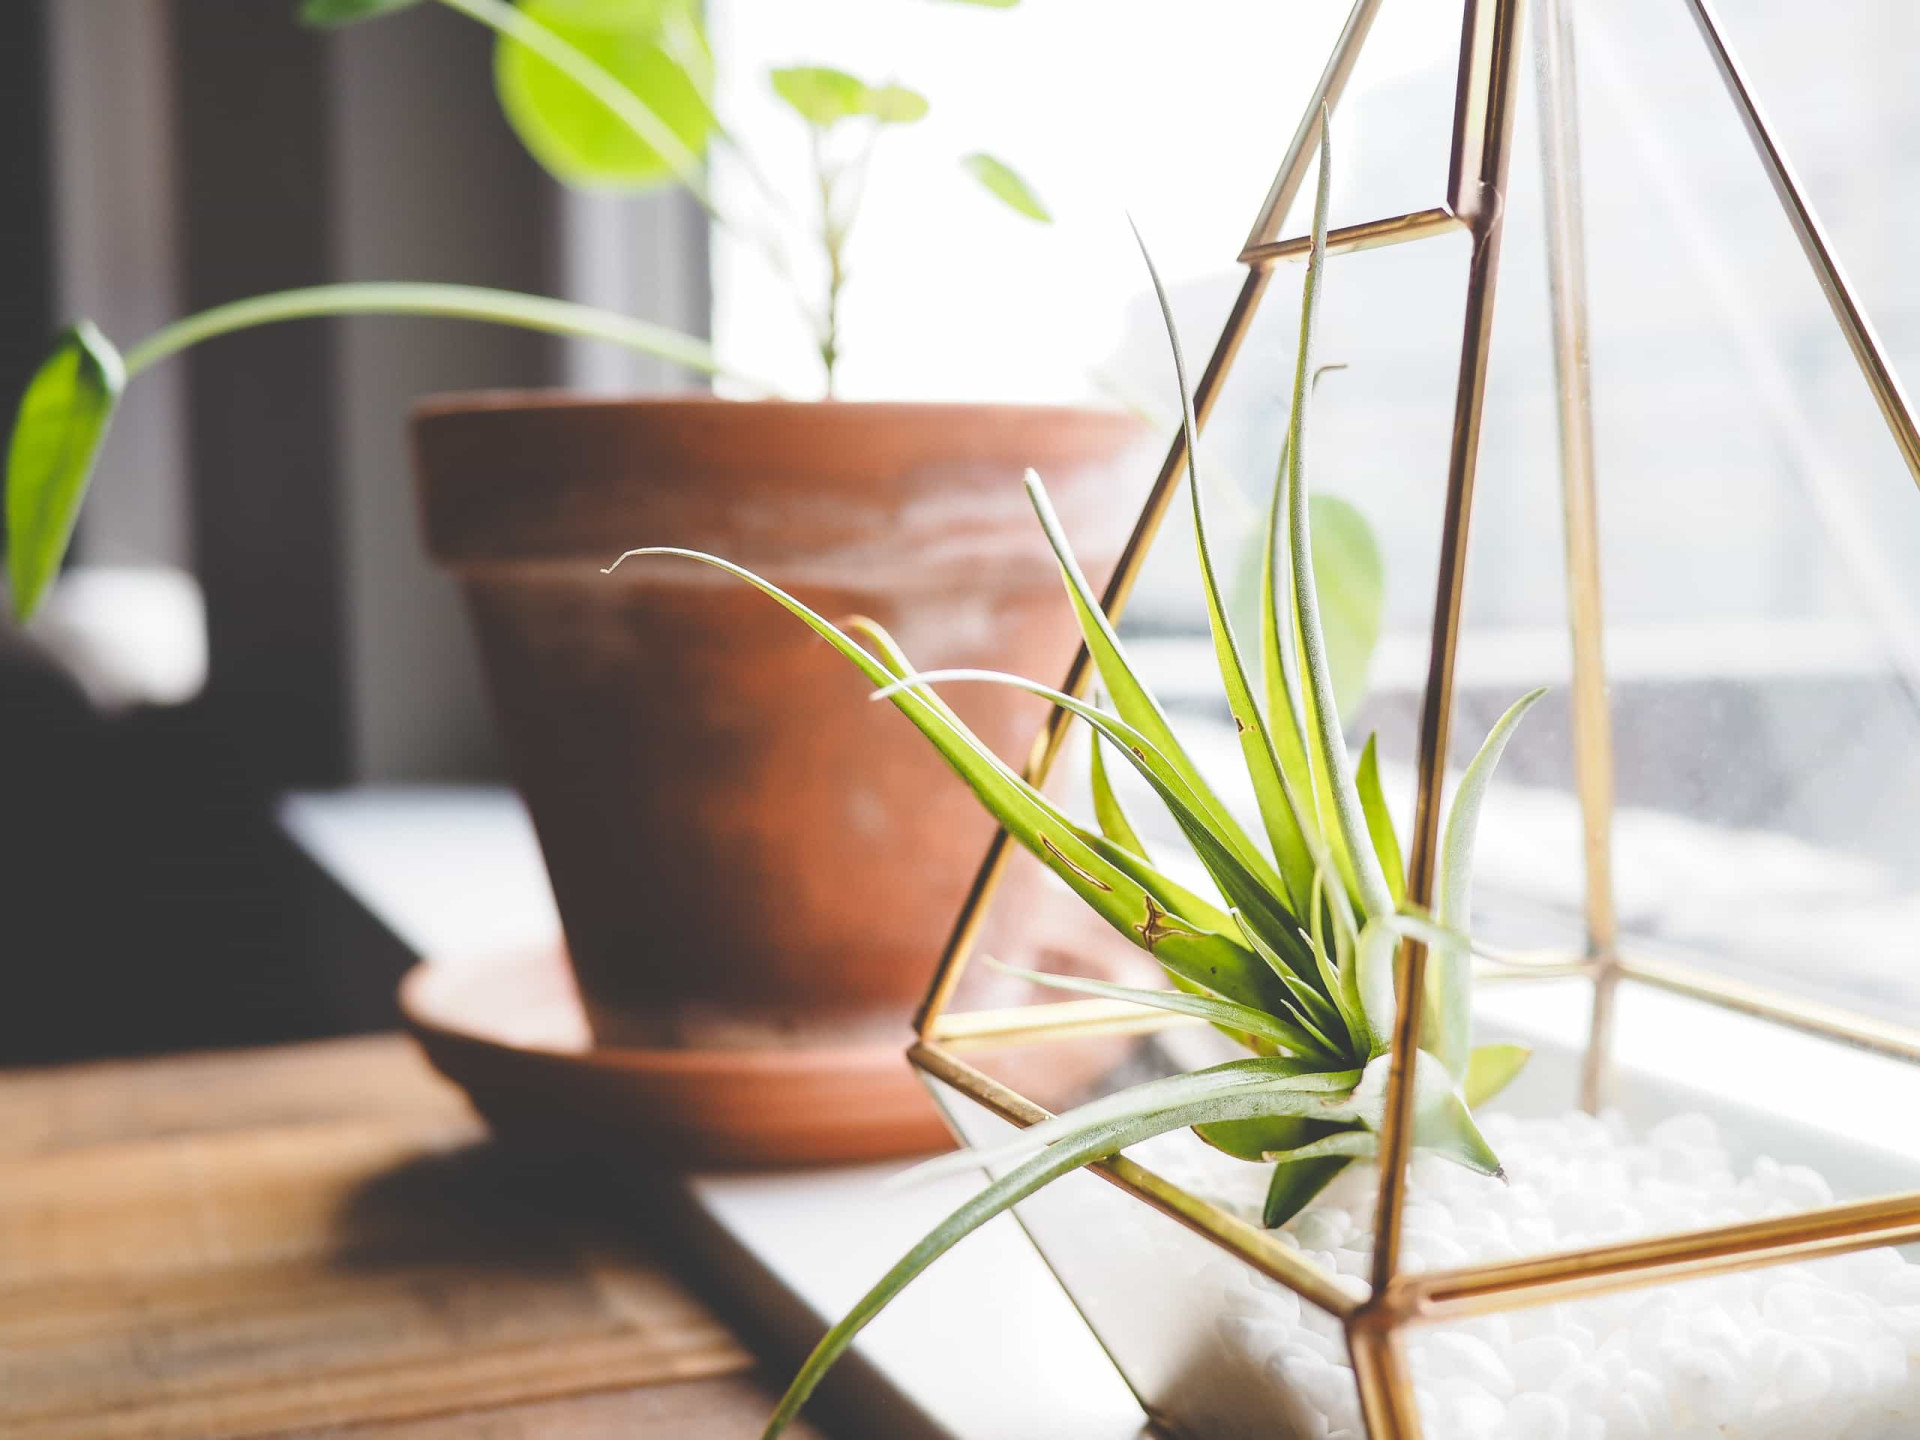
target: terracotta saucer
<point>510,1031</point>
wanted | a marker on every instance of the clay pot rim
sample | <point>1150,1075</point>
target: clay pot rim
<point>536,401</point>
<point>430,1016</point>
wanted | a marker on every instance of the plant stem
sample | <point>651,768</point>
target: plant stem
<point>452,302</point>
<point>833,236</point>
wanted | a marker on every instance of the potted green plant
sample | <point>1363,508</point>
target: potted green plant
<point>893,511</point>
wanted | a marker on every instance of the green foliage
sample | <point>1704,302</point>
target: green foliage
<point>1300,965</point>
<point>1004,183</point>
<point>62,419</point>
<point>655,49</point>
<point>329,13</point>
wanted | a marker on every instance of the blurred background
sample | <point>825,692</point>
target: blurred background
<point>251,612</point>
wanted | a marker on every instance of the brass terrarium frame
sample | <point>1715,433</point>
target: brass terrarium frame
<point>1484,105</point>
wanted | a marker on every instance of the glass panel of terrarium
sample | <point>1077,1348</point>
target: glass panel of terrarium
<point>1825,1350</point>
<point>1209,1345</point>
<point>1759,538</point>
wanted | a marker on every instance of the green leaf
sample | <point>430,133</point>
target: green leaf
<point>1294,1186</point>
<point>1322,707</point>
<point>1106,805</point>
<point>653,49</point>
<point>326,13</point>
<point>57,431</point>
<point>1442,1122</point>
<point>1241,887</point>
<point>1353,585</point>
<point>1077,1148</point>
<point>821,95</point>
<point>1317,1012</point>
<point>1373,982</point>
<point>1004,183</point>
<point>1243,1019</point>
<point>896,105</point>
<point>1386,845</point>
<point>1250,1140</point>
<point>1285,814</point>
<point>1449,1009</point>
<point>1221,964</point>
<point>1279,1085</point>
<point>1490,1069</point>
<point>1134,702</point>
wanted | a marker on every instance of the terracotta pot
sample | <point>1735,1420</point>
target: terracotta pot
<point>745,850</point>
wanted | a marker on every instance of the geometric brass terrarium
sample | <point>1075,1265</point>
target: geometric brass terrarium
<point>1154,1323</point>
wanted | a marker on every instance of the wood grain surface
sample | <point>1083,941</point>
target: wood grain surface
<point>321,1240</point>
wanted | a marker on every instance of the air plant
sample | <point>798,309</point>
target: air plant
<point>1294,957</point>
<point>605,94</point>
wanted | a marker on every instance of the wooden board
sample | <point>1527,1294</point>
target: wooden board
<point>249,1245</point>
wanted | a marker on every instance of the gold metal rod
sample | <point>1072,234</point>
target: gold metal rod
<point>1046,745</point>
<point>1473,89</point>
<point>1666,1259</point>
<point>1367,235</point>
<point>1861,336</point>
<point>1380,1372</point>
<point>1494,151</point>
<point>1810,1017</point>
<point>1306,138</point>
<point>1257,1247</point>
<point>1558,96</point>
<point>1054,1020</point>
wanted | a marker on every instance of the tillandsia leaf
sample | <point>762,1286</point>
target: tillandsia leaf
<point>1284,813</point>
<point>1373,982</point>
<point>1242,1019</point>
<point>1442,1122</point>
<point>1324,712</point>
<point>655,52</point>
<point>1250,1140</point>
<point>881,640</point>
<point>1316,1012</point>
<point>1490,1069</point>
<point>1336,971</point>
<point>1083,1147</point>
<point>1003,182</point>
<point>1341,1144</point>
<point>1107,812</point>
<point>1241,887</point>
<point>1449,1014</point>
<point>328,13</point>
<point>1279,1086</point>
<point>1294,1186</point>
<point>57,431</point>
<point>1131,699</point>
<point>1219,963</point>
<point>1172,895</point>
<point>1373,801</point>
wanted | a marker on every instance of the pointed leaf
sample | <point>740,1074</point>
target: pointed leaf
<point>1221,964</point>
<point>1106,805</point>
<point>1286,815</point>
<point>1241,887</point>
<point>1449,1012</point>
<point>1134,702</point>
<point>1490,1069</point>
<point>1077,1148</point>
<point>1386,845</point>
<point>1240,1018</point>
<point>1342,1144</point>
<point>1250,1140</point>
<point>1324,713</point>
<point>1282,1085</point>
<point>1442,1123</point>
<point>57,431</point>
<point>1003,182</point>
<point>1315,1010</point>
<point>1373,983</point>
<point>1294,1186</point>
